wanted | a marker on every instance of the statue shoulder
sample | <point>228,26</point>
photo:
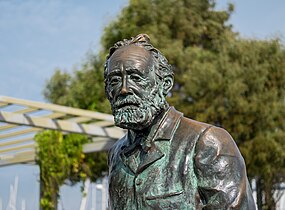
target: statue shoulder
<point>214,142</point>
<point>221,172</point>
<point>211,141</point>
<point>189,125</point>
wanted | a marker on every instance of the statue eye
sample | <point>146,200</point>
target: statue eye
<point>114,80</point>
<point>136,77</point>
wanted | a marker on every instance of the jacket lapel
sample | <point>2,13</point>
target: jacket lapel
<point>161,140</point>
<point>130,162</point>
<point>163,134</point>
<point>127,154</point>
<point>153,155</point>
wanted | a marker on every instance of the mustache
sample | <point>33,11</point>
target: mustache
<point>127,101</point>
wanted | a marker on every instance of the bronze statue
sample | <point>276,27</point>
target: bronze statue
<point>165,161</point>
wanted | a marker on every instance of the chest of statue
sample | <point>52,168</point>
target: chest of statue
<point>162,178</point>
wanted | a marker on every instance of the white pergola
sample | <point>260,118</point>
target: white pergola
<point>21,119</point>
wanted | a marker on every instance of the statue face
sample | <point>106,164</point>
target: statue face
<point>134,91</point>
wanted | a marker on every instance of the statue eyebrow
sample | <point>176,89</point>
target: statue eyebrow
<point>117,72</point>
<point>114,72</point>
<point>134,70</point>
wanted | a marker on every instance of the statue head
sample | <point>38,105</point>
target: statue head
<point>137,80</point>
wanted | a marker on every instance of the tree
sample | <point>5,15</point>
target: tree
<point>61,160</point>
<point>241,88</point>
<point>220,78</point>
<point>59,156</point>
<point>58,159</point>
<point>83,89</point>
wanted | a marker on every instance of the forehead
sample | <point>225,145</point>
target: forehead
<point>130,55</point>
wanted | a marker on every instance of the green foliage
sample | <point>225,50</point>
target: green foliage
<point>57,87</point>
<point>61,160</point>
<point>220,78</point>
<point>83,89</point>
<point>241,88</point>
<point>173,22</point>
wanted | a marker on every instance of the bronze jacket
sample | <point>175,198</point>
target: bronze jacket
<point>190,165</point>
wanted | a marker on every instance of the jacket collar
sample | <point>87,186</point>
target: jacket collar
<point>168,125</point>
<point>161,131</point>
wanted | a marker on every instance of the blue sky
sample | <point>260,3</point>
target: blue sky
<point>38,36</point>
<point>261,19</point>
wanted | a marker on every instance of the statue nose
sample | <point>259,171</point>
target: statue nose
<point>125,89</point>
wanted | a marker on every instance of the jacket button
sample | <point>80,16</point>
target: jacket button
<point>139,181</point>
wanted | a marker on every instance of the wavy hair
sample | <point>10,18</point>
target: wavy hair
<point>163,68</point>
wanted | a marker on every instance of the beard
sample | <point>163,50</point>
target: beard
<point>135,113</point>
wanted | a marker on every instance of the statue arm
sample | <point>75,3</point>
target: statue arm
<point>221,174</point>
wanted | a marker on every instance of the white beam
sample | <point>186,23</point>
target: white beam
<point>57,108</point>
<point>54,117</point>
<point>18,141</point>
<point>27,146</point>
<point>18,133</point>
<point>3,104</point>
<point>61,125</point>
<point>26,110</point>
<point>16,158</point>
<point>9,126</point>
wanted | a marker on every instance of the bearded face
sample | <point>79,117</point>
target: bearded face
<point>133,112</point>
<point>134,91</point>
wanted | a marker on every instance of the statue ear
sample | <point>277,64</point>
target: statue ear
<point>167,84</point>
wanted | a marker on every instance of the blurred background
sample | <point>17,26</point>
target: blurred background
<point>229,64</point>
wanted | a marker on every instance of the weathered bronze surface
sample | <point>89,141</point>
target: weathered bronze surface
<point>165,161</point>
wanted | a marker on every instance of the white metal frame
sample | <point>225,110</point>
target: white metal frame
<point>22,119</point>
